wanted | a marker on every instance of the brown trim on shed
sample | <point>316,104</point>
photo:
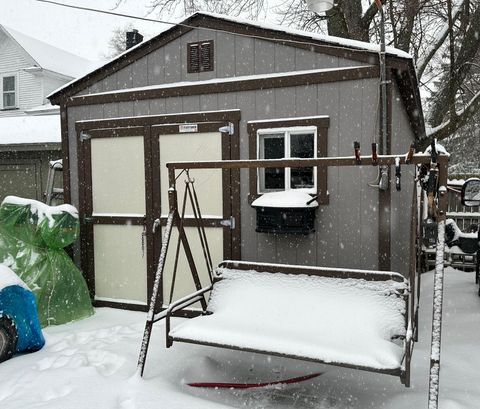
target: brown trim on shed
<point>224,85</point>
<point>411,100</point>
<point>321,122</point>
<point>121,305</point>
<point>87,218</point>
<point>146,120</point>
<point>67,195</point>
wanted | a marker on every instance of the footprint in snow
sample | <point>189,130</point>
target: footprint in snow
<point>56,393</point>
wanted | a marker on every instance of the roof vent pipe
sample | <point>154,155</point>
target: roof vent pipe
<point>133,38</point>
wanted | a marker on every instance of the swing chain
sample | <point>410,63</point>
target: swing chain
<point>143,236</point>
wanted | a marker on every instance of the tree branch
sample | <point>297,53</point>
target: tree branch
<point>369,14</point>
<point>439,41</point>
<point>452,125</point>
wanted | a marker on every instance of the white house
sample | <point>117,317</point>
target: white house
<point>29,126</point>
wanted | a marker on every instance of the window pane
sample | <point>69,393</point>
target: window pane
<point>272,146</point>
<point>8,99</point>
<point>275,178</point>
<point>301,146</point>
<point>8,84</point>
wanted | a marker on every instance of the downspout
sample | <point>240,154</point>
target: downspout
<point>384,177</point>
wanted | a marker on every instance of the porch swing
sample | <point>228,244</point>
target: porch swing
<point>360,319</point>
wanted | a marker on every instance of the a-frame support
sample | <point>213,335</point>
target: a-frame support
<point>154,313</point>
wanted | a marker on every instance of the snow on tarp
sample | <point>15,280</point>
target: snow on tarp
<point>41,209</point>
<point>285,199</point>
<point>8,278</point>
<point>30,129</point>
<point>32,241</point>
<point>348,321</point>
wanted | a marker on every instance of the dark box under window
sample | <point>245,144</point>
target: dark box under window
<point>285,220</point>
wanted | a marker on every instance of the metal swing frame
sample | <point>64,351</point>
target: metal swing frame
<point>437,165</point>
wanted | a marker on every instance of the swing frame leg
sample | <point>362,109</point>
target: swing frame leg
<point>173,219</point>
<point>153,301</point>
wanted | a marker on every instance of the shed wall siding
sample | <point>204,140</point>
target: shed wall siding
<point>401,214</point>
<point>234,56</point>
<point>346,229</point>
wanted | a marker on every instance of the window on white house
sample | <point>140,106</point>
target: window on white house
<point>287,143</point>
<point>9,92</point>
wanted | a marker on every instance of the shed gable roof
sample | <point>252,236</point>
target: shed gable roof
<point>344,48</point>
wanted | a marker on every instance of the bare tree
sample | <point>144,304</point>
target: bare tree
<point>117,43</point>
<point>247,8</point>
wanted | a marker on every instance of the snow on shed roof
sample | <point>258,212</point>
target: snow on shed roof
<point>30,129</point>
<point>50,57</point>
<point>345,42</point>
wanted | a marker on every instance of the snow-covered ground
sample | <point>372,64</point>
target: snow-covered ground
<point>91,364</point>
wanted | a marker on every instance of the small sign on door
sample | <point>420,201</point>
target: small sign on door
<point>188,128</point>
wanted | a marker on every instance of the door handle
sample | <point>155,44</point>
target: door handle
<point>156,224</point>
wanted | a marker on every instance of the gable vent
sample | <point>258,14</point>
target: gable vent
<point>200,56</point>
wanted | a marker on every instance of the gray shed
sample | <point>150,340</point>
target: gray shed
<point>215,88</point>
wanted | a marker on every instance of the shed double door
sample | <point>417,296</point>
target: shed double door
<point>125,194</point>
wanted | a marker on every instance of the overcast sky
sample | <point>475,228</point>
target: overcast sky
<point>81,32</point>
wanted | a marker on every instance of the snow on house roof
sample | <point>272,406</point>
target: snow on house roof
<point>30,129</point>
<point>50,57</point>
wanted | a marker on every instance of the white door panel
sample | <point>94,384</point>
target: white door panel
<point>208,182</point>
<point>118,175</point>
<point>120,263</point>
<point>118,192</point>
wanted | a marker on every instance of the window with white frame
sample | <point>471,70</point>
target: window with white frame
<point>279,143</point>
<point>9,91</point>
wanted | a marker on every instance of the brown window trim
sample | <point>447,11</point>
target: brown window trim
<point>201,66</point>
<point>320,122</point>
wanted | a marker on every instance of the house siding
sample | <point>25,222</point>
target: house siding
<point>13,59</point>
<point>50,84</point>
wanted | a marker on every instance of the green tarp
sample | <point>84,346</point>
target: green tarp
<point>32,240</point>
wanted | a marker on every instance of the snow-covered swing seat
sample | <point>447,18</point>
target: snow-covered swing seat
<point>351,318</point>
<point>354,318</point>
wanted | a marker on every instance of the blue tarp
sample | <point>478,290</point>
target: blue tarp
<point>19,304</point>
